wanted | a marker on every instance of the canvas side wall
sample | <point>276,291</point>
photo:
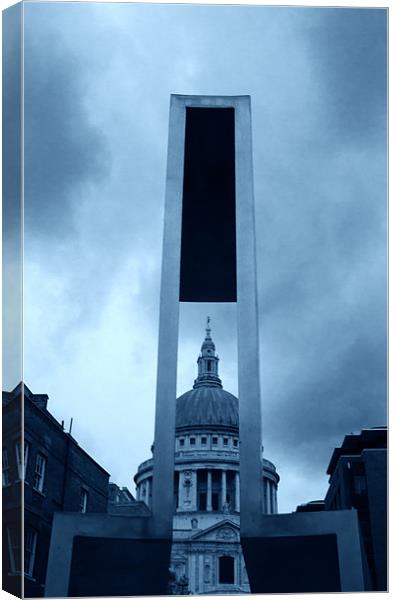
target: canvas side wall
<point>12,295</point>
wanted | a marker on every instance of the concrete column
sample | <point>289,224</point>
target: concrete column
<point>163,464</point>
<point>237,494</point>
<point>224,487</point>
<point>201,573</point>
<point>209,490</point>
<point>250,434</point>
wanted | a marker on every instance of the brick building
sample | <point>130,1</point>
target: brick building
<point>58,476</point>
<point>358,479</point>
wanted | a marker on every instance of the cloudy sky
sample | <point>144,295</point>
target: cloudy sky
<point>98,79</point>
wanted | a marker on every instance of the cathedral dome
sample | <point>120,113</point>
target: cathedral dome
<point>207,406</point>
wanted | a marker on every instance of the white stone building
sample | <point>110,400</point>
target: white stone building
<point>206,544</point>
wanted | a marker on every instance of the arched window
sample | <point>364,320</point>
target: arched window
<point>226,569</point>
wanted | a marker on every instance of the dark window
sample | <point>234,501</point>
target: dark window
<point>235,442</point>
<point>203,441</point>
<point>226,569</point>
<point>30,550</point>
<point>14,550</point>
<point>182,442</point>
<point>39,472</point>
<point>202,501</point>
<point>225,441</point>
<point>19,458</point>
<point>215,441</point>
<point>83,502</point>
<point>215,501</point>
<point>209,365</point>
<point>6,467</point>
<point>192,441</point>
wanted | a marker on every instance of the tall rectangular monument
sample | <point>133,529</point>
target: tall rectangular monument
<point>209,196</point>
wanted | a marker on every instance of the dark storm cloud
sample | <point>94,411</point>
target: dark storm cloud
<point>12,102</point>
<point>321,240</point>
<point>348,48</point>
<point>63,150</point>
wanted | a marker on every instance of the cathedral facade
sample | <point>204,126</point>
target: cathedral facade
<point>206,553</point>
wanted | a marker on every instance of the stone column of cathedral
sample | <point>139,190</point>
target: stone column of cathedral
<point>237,492</point>
<point>224,488</point>
<point>209,490</point>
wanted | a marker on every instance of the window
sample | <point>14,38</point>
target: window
<point>235,443</point>
<point>14,549</point>
<point>83,503</point>
<point>6,468</point>
<point>209,365</point>
<point>226,569</point>
<point>214,441</point>
<point>181,442</point>
<point>203,441</point>
<point>19,458</point>
<point>30,550</point>
<point>192,441</point>
<point>225,441</point>
<point>39,473</point>
<point>215,501</point>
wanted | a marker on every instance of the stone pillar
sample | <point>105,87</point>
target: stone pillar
<point>192,573</point>
<point>267,497</point>
<point>147,492</point>
<point>201,573</point>
<point>180,499</point>
<point>209,490</point>
<point>237,495</point>
<point>224,488</point>
<point>272,498</point>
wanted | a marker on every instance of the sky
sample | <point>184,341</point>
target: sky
<point>97,83</point>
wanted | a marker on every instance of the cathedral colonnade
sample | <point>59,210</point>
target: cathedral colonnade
<point>209,489</point>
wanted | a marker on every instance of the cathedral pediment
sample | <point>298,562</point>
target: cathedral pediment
<point>226,531</point>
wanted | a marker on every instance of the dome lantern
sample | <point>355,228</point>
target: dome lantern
<point>208,362</point>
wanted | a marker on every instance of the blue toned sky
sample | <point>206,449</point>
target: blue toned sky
<point>98,78</point>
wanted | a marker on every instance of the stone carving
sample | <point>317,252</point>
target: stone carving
<point>226,533</point>
<point>187,483</point>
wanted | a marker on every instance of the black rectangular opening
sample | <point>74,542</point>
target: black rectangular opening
<point>226,569</point>
<point>295,564</point>
<point>208,246</point>
<point>202,501</point>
